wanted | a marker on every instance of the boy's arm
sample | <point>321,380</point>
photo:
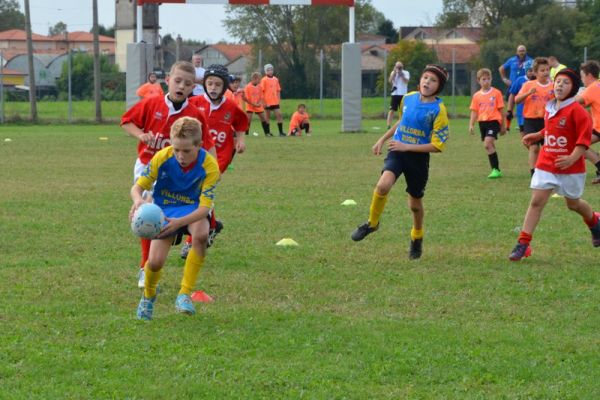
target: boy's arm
<point>472,122</point>
<point>519,98</point>
<point>502,121</point>
<point>132,130</point>
<point>379,143</point>
<point>415,148</point>
<point>564,162</point>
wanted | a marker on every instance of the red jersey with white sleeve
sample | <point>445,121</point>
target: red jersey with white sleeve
<point>224,120</point>
<point>566,126</point>
<point>156,115</point>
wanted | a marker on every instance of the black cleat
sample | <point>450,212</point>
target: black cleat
<point>212,233</point>
<point>521,250</point>
<point>416,249</point>
<point>362,231</point>
<point>268,134</point>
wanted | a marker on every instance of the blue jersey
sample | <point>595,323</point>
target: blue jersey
<point>516,67</point>
<point>422,123</point>
<point>179,192</point>
<point>514,89</point>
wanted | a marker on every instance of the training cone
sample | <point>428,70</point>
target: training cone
<point>556,196</point>
<point>200,297</point>
<point>287,242</point>
<point>349,202</point>
<point>103,138</point>
<point>8,140</point>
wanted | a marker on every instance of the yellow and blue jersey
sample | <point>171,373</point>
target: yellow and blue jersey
<point>422,123</point>
<point>178,192</point>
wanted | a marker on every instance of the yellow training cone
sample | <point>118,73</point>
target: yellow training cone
<point>103,138</point>
<point>349,202</point>
<point>287,242</point>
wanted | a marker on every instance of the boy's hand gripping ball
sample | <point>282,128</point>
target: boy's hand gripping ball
<point>147,221</point>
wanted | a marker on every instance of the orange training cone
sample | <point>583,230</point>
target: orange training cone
<point>201,297</point>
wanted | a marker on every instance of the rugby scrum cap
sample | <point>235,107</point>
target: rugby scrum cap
<point>220,71</point>
<point>440,72</point>
<point>574,77</point>
<point>268,66</point>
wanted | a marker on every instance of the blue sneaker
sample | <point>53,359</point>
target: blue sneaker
<point>141,279</point>
<point>146,308</point>
<point>184,305</point>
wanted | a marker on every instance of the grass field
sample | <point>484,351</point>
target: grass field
<point>84,111</point>
<point>329,319</point>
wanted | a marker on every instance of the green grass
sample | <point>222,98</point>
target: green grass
<point>330,319</point>
<point>85,111</point>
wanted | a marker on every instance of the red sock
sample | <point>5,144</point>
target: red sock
<point>145,251</point>
<point>189,239</point>
<point>592,222</point>
<point>524,237</point>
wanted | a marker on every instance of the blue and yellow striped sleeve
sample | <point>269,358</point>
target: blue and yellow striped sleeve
<point>440,132</point>
<point>150,174</point>
<point>209,183</point>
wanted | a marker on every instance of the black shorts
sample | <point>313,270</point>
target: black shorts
<point>395,102</point>
<point>596,133</point>
<point>489,129</point>
<point>414,166</point>
<point>272,108</point>
<point>533,125</point>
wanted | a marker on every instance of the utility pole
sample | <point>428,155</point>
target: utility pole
<point>97,87</point>
<point>32,88</point>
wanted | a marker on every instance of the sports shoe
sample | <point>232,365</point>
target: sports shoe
<point>281,134</point>
<point>146,308</point>
<point>213,232</point>
<point>268,134</point>
<point>596,234</point>
<point>141,279</point>
<point>185,250</point>
<point>362,231</point>
<point>416,249</point>
<point>495,174</point>
<point>184,305</point>
<point>596,180</point>
<point>521,250</point>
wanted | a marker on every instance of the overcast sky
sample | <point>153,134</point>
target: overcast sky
<point>200,22</point>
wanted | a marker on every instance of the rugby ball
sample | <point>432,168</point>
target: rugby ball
<point>147,221</point>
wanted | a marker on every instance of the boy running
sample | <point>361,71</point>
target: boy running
<point>487,107</point>
<point>535,94</point>
<point>184,177</point>
<point>150,121</point>
<point>271,91</point>
<point>561,165</point>
<point>422,129</point>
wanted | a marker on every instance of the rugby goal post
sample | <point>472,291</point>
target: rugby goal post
<point>351,69</point>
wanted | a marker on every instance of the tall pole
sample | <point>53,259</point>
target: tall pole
<point>32,88</point>
<point>351,24</point>
<point>453,81</point>
<point>385,80</point>
<point>1,87</point>
<point>70,88</point>
<point>139,24</point>
<point>97,88</point>
<point>585,54</point>
<point>321,82</point>
<point>260,60</point>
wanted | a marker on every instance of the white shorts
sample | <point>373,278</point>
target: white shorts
<point>138,168</point>
<point>567,185</point>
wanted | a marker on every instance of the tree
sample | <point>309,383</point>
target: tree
<point>414,55</point>
<point>102,30</point>
<point>11,16</point>
<point>386,28</point>
<point>291,37</point>
<point>58,29</point>
<point>588,32</point>
<point>82,79</point>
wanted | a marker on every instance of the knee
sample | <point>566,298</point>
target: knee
<point>573,205</point>
<point>155,263</point>
<point>200,239</point>
<point>382,188</point>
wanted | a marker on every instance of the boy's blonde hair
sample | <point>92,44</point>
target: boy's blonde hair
<point>255,75</point>
<point>187,128</point>
<point>484,72</point>
<point>185,66</point>
<point>539,61</point>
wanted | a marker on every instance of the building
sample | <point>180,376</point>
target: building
<point>15,41</point>
<point>236,57</point>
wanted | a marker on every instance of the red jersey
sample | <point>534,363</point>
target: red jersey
<point>270,89</point>
<point>565,128</point>
<point>223,121</point>
<point>253,95</point>
<point>157,115</point>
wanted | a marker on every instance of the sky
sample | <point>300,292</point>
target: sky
<point>199,22</point>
